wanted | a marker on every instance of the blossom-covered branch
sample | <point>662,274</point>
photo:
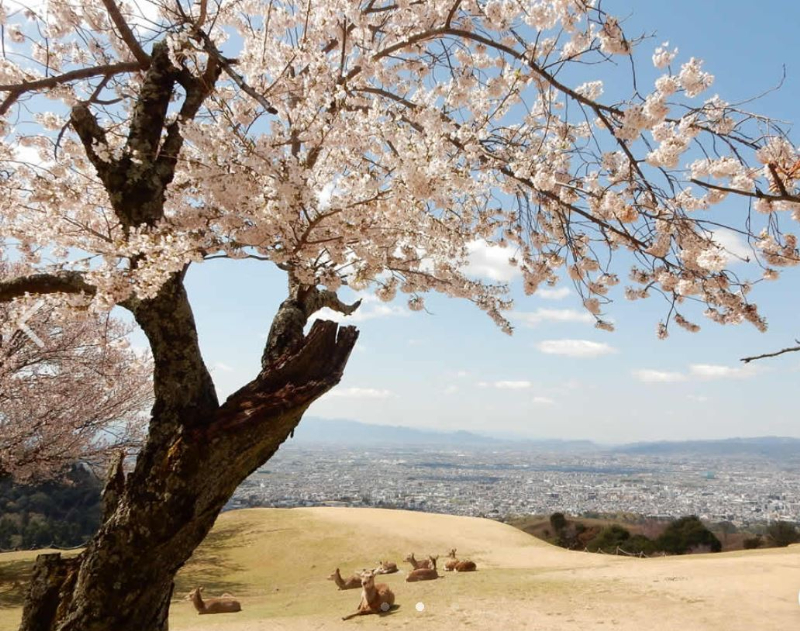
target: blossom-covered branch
<point>78,394</point>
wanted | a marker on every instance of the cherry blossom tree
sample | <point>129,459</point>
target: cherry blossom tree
<point>362,143</point>
<point>71,390</point>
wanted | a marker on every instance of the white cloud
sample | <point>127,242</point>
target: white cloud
<point>532,318</point>
<point>451,389</point>
<point>697,397</point>
<point>361,393</point>
<point>462,373</point>
<point>542,401</point>
<point>575,348</point>
<point>223,367</point>
<point>733,244</point>
<point>714,371</point>
<point>324,196</point>
<point>486,261</point>
<point>512,385</point>
<point>30,155</point>
<point>658,376</point>
<point>553,293</point>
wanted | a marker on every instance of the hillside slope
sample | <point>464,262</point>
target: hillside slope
<point>276,562</point>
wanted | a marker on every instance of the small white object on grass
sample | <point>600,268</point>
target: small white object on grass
<point>420,607</point>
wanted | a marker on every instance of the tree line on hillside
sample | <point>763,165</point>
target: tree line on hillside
<point>54,514</point>
<point>684,535</point>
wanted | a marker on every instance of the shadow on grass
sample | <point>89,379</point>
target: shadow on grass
<point>210,566</point>
<point>14,577</point>
<point>392,610</point>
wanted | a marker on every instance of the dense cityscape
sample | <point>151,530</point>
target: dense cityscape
<point>503,483</point>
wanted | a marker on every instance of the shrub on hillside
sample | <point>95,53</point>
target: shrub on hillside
<point>783,533</point>
<point>62,514</point>
<point>687,534</point>
<point>609,539</point>
<point>558,521</point>
<point>751,543</point>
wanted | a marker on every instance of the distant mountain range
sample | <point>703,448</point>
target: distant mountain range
<point>772,446</point>
<point>343,432</point>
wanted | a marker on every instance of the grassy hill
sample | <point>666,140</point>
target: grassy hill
<point>276,562</point>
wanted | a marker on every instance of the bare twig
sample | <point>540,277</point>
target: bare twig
<point>791,349</point>
<point>227,66</point>
<point>784,197</point>
<point>18,89</point>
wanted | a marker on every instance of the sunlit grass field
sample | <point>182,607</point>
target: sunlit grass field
<point>276,562</point>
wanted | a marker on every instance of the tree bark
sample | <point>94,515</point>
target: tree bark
<point>197,451</point>
<point>196,454</point>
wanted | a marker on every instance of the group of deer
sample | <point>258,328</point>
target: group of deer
<point>375,598</point>
<point>453,564</point>
<point>379,598</point>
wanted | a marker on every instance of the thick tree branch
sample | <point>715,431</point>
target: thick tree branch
<point>181,381</point>
<point>313,367</point>
<point>91,134</point>
<point>40,284</point>
<point>152,104</point>
<point>136,181</point>
<point>197,90</point>
<point>126,34</point>
<point>286,332</point>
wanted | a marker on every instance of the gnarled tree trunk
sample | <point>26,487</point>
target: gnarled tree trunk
<point>197,451</point>
<point>196,454</point>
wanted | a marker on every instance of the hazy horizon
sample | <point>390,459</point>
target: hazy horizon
<point>511,436</point>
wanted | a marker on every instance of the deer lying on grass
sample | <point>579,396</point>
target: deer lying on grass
<point>374,598</point>
<point>354,582</point>
<point>424,573</point>
<point>225,604</point>
<point>465,566</point>
<point>386,567</point>
<point>454,565</point>
<point>451,562</point>
<point>418,565</point>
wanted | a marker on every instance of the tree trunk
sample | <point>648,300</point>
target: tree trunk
<point>196,454</point>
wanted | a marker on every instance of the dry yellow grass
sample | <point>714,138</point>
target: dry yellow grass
<point>276,561</point>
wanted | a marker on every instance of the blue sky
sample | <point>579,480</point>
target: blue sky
<point>453,369</point>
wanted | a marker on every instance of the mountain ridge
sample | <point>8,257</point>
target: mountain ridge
<point>315,430</point>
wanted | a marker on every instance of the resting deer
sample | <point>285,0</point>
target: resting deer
<point>465,566</point>
<point>451,562</point>
<point>386,567</point>
<point>418,565</point>
<point>374,598</point>
<point>354,582</point>
<point>424,573</point>
<point>454,565</point>
<point>226,604</point>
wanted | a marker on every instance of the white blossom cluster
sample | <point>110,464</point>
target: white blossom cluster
<point>404,133</point>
